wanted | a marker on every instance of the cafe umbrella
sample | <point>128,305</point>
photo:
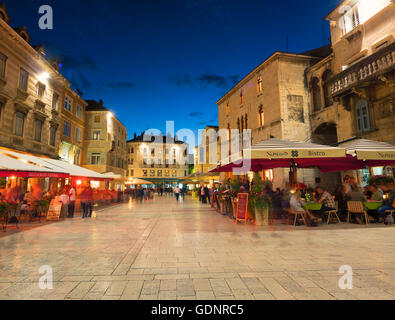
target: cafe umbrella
<point>363,153</point>
<point>136,181</point>
<point>277,153</point>
<point>374,153</point>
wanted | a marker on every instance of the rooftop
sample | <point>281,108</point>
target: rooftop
<point>317,54</point>
<point>165,139</point>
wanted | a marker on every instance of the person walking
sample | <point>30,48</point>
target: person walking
<point>203,194</point>
<point>71,206</point>
<point>177,192</point>
<point>89,202</point>
<point>84,200</point>
<point>207,194</point>
<point>64,199</point>
<point>141,194</point>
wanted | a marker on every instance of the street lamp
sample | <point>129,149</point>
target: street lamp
<point>43,76</point>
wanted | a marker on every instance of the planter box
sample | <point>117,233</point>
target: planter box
<point>262,217</point>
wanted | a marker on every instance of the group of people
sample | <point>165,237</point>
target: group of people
<point>348,191</point>
<point>205,194</point>
<point>139,193</point>
<point>301,196</point>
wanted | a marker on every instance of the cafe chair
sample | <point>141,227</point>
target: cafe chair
<point>392,211</point>
<point>333,213</point>
<point>296,213</point>
<point>356,207</point>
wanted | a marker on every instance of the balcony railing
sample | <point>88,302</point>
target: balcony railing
<point>367,69</point>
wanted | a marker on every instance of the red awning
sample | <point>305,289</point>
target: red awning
<point>324,164</point>
<point>29,174</point>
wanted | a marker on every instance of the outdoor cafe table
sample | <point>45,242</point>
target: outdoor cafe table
<point>313,206</point>
<point>373,205</point>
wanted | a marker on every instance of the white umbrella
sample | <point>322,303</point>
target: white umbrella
<point>365,149</point>
<point>138,181</point>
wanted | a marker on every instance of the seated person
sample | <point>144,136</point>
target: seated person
<point>327,201</point>
<point>355,194</point>
<point>340,197</point>
<point>367,193</point>
<point>376,193</point>
<point>296,204</point>
<point>388,202</point>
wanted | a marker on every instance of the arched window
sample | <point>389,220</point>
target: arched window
<point>316,93</point>
<point>241,97</point>
<point>245,122</point>
<point>259,85</point>
<point>242,124</point>
<point>362,115</point>
<point>261,117</point>
<point>238,124</point>
<point>325,86</point>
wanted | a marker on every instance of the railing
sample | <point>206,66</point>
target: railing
<point>363,70</point>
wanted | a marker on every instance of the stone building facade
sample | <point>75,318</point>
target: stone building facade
<point>72,127</point>
<point>352,91</point>
<point>104,140</point>
<point>31,94</point>
<point>273,102</point>
<point>208,153</point>
<point>159,159</point>
<point>327,95</point>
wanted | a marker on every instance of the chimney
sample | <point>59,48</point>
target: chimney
<point>101,102</point>
<point>135,135</point>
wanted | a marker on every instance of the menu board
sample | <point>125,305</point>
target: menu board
<point>54,210</point>
<point>242,205</point>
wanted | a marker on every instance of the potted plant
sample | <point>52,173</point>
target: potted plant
<point>4,206</point>
<point>42,206</point>
<point>259,201</point>
<point>221,198</point>
<point>381,180</point>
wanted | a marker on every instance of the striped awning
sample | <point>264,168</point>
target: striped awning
<point>43,166</point>
<point>284,149</point>
<point>276,153</point>
<point>10,166</point>
<point>201,177</point>
<point>365,149</point>
<point>137,181</point>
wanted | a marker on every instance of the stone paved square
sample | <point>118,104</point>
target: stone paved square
<point>166,250</point>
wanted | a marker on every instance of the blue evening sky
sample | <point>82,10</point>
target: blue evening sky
<point>152,61</point>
